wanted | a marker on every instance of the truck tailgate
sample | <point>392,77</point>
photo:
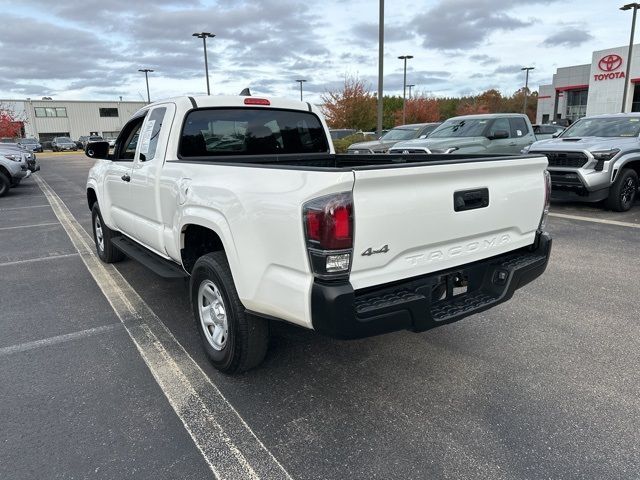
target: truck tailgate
<point>406,223</point>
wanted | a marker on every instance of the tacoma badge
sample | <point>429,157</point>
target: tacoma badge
<point>370,251</point>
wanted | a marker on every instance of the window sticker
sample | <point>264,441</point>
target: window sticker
<point>146,136</point>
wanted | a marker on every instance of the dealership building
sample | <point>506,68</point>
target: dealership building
<point>46,119</point>
<point>592,89</point>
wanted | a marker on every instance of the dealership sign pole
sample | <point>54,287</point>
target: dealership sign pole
<point>380,68</point>
<point>404,86</point>
<point>526,87</point>
<point>635,7</point>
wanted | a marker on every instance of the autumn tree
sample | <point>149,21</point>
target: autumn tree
<point>420,110</point>
<point>471,108</point>
<point>353,106</point>
<point>11,124</point>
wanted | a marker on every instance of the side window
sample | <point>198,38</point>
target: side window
<point>150,134</point>
<point>127,141</point>
<point>519,127</point>
<point>499,124</point>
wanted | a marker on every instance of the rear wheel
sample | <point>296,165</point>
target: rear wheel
<point>233,340</point>
<point>102,236</point>
<point>624,191</point>
<point>5,184</point>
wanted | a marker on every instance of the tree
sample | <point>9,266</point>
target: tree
<point>354,106</point>
<point>11,124</point>
<point>420,110</point>
<point>471,108</point>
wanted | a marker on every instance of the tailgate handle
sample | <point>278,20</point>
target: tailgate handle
<point>471,199</point>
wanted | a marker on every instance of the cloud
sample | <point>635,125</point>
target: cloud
<point>366,34</point>
<point>568,37</point>
<point>508,69</point>
<point>463,24</point>
<point>484,59</point>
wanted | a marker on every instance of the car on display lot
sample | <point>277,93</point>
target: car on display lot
<point>597,158</point>
<point>31,144</point>
<point>545,131</point>
<point>83,140</point>
<point>13,168</point>
<point>60,144</point>
<point>393,136</point>
<point>496,133</point>
<point>436,240</point>
<point>111,141</point>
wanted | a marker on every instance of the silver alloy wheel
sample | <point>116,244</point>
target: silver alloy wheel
<point>213,314</point>
<point>99,235</point>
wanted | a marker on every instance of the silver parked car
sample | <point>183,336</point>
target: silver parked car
<point>393,136</point>
<point>31,144</point>
<point>13,168</point>
<point>59,144</point>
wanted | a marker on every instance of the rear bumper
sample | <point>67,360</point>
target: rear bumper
<point>339,311</point>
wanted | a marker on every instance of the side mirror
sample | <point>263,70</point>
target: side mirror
<point>97,150</point>
<point>556,135</point>
<point>499,135</point>
<point>421,137</point>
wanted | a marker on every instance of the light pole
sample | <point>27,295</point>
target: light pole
<point>380,62</point>
<point>301,81</point>
<point>635,7</point>
<point>146,77</point>
<point>404,86</point>
<point>410,86</point>
<point>526,87</point>
<point>204,36</point>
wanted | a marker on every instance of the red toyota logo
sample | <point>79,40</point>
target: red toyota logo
<point>610,63</point>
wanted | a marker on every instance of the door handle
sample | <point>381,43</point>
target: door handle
<point>126,177</point>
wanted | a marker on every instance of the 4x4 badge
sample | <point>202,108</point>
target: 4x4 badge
<point>370,251</point>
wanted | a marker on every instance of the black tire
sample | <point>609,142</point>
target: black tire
<point>5,184</point>
<point>105,249</point>
<point>624,191</point>
<point>246,337</point>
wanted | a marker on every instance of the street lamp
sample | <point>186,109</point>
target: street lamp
<point>204,36</point>
<point>404,86</point>
<point>410,86</point>
<point>146,77</point>
<point>380,65</point>
<point>526,87</point>
<point>301,81</point>
<point>635,7</point>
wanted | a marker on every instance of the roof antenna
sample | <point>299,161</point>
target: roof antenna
<point>245,92</point>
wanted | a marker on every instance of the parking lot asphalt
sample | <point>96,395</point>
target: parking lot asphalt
<point>543,386</point>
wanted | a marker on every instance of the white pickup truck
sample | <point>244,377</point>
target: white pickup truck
<point>246,196</point>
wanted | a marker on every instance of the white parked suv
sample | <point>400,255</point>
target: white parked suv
<point>246,196</point>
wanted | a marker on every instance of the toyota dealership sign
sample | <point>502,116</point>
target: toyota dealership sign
<point>610,66</point>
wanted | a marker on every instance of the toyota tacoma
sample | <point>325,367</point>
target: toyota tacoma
<point>246,198</point>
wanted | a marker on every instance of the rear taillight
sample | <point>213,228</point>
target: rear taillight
<point>547,200</point>
<point>328,226</point>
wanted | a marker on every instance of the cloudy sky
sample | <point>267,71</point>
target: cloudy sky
<point>92,49</point>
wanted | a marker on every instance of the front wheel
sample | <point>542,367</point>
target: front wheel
<point>233,340</point>
<point>102,235</point>
<point>624,191</point>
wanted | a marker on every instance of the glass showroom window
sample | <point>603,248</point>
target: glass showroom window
<point>50,111</point>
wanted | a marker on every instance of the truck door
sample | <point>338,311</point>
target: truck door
<point>145,176</point>
<point>500,145</point>
<point>118,177</point>
<point>521,134</point>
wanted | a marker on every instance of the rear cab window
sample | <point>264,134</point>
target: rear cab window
<point>216,132</point>
<point>518,127</point>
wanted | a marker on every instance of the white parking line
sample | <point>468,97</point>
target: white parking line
<point>227,443</point>
<point>20,208</point>
<point>38,259</point>
<point>595,220</point>
<point>48,224</point>
<point>45,342</point>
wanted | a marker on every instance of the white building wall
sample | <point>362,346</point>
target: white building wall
<point>605,96</point>
<point>82,117</point>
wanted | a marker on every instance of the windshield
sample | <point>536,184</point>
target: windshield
<point>63,140</point>
<point>28,140</point>
<point>461,128</point>
<point>95,138</point>
<point>399,134</point>
<point>604,127</point>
